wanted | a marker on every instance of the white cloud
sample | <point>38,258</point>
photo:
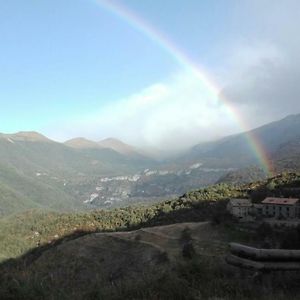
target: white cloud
<point>262,81</point>
<point>169,116</point>
<point>260,71</point>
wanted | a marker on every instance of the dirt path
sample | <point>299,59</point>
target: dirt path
<point>167,238</point>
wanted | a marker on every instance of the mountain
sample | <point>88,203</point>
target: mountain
<point>236,151</point>
<point>31,155</point>
<point>244,175</point>
<point>36,172</point>
<point>25,136</point>
<point>82,143</point>
<point>287,156</point>
<point>109,143</point>
<point>119,147</point>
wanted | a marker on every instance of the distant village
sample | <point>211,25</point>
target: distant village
<point>276,209</point>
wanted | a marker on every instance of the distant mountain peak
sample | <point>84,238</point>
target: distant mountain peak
<point>291,117</point>
<point>111,141</point>
<point>118,146</point>
<point>31,136</point>
<point>82,143</point>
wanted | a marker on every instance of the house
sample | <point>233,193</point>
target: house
<point>258,209</point>
<point>281,207</point>
<point>240,208</point>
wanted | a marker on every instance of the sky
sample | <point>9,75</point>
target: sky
<point>157,74</point>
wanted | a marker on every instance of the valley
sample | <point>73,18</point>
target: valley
<point>147,186</point>
<point>81,175</point>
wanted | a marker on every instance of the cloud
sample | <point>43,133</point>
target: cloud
<point>266,90</point>
<point>168,116</point>
<point>261,73</point>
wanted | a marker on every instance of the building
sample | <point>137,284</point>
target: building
<point>240,208</point>
<point>258,209</point>
<point>288,208</point>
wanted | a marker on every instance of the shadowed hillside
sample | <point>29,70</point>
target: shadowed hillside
<point>236,151</point>
<point>178,261</point>
<point>287,156</point>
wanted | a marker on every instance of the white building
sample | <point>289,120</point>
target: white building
<point>240,208</point>
<point>281,207</point>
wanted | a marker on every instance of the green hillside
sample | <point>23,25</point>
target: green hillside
<point>77,256</point>
<point>198,205</point>
<point>244,175</point>
<point>38,173</point>
<point>30,157</point>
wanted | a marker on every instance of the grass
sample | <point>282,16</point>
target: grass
<point>199,278</point>
<point>52,272</point>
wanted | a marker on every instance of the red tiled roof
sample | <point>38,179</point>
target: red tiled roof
<point>280,201</point>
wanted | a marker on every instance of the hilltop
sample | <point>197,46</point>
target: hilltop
<point>82,143</point>
<point>31,136</point>
<point>119,146</point>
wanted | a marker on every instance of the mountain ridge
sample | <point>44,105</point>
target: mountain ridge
<point>38,172</point>
<point>236,151</point>
<point>82,143</point>
<point>119,146</point>
<point>32,136</point>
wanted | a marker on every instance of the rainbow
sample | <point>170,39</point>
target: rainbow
<point>184,61</point>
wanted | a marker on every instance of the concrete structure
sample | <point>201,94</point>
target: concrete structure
<point>240,208</point>
<point>286,208</point>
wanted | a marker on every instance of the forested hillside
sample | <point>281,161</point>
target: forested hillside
<point>53,246</point>
<point>23,231</point>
